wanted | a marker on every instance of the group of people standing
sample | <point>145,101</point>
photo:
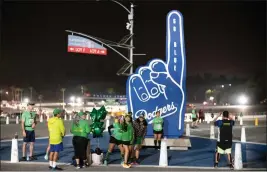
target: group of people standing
<point>127,134</point>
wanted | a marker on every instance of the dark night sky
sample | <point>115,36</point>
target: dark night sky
<point>221,37</point>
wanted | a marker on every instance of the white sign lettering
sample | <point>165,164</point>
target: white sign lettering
<point>165,111</point>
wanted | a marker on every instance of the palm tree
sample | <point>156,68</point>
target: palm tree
<point>17,94</point>
<point>12,88</point>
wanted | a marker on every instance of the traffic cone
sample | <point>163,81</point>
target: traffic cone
<point>14,151</point>
<point>65,117</point>
<point>212,135</point>
<point>163,159</point>
<point>107,124</point>
<point>17,120</point>
<point>256,121</point>
<point>187,131</point>
<point>238,163</point>
<point>41,118</point>
<point>7,120</point>
<point>243,134</point>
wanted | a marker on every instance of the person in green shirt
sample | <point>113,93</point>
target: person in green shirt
<point>28,124</point>
<point>127,139</point>
<point>157,124</point>
<point>80,130</point>
<point>115,133</point>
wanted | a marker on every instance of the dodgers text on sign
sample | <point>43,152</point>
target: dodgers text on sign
<point>160,85</point>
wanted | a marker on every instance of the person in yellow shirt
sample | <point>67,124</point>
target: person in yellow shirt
<point>56,133</point>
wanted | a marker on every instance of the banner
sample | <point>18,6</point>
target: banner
<point>160,85</point>
<point>77,44</point>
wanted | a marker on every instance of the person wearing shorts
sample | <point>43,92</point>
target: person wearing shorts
<point>80,130</point>
<point>140,129</point>
<point>56,131</point>
<point>28,124</point>
<point>157,129</point>
<point>225,139</point>
<point>127,139</point>
<point>115,139</point>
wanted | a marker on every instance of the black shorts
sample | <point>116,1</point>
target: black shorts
<point>127,143</point>
<point>80,147</point>
<point>158,132</point>
<point>114,140</point>
<point>194,119</point>
<point>30,136</point>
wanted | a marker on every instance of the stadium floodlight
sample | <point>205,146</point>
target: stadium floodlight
<point>243,100</point>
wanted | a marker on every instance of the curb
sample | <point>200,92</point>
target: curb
<point>142,166</point>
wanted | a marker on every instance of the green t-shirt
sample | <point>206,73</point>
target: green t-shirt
<point>157,124</point>
<point>117,132</point>
<point>28,118</point>
<point>194,115</point>
<point>82,129</point>
<point>128,135</point>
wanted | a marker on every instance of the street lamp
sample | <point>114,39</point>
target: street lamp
<point>72,98</point>
<point>26,100</point>
<point>243,100</point>
<point>222,86</point>
<point>6,93</point>
<point>129,26</point>
<point>211,98</point>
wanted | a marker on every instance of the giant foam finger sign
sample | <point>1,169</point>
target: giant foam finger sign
<point>160,86</point>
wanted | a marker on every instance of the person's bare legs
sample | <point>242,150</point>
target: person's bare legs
<point>51,159</point>
<point>122,151</point>
<point>126,153</point>
<point>55,157</point>
<point>31,148</point>
<point>159,139</point>
<point>155,140</point>
<point>24,149</point>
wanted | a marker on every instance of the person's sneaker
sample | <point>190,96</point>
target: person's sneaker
<point>216,165</point>
<point>134,163</point>
<point>50,167</point>
<point>231,166</point>
<point>57,169</point>
<point>32,158</point>
<point>105,162</point>
<point>23,159</point>
<point>126,165</point>
<point>78,167</point>
<point>46,157</point>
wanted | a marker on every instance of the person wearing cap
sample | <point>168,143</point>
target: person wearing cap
<point>56,131</point>
<point>127,139</point>
<point>80,130</point>
<point>115,133</point>
<point>140,129</point>
<point>28,124</point>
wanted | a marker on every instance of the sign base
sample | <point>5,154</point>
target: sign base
<point>182,143</point>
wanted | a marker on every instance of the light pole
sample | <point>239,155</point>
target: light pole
<point>129,26</point>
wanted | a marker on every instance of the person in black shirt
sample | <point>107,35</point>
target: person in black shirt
<point>225,139</point>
